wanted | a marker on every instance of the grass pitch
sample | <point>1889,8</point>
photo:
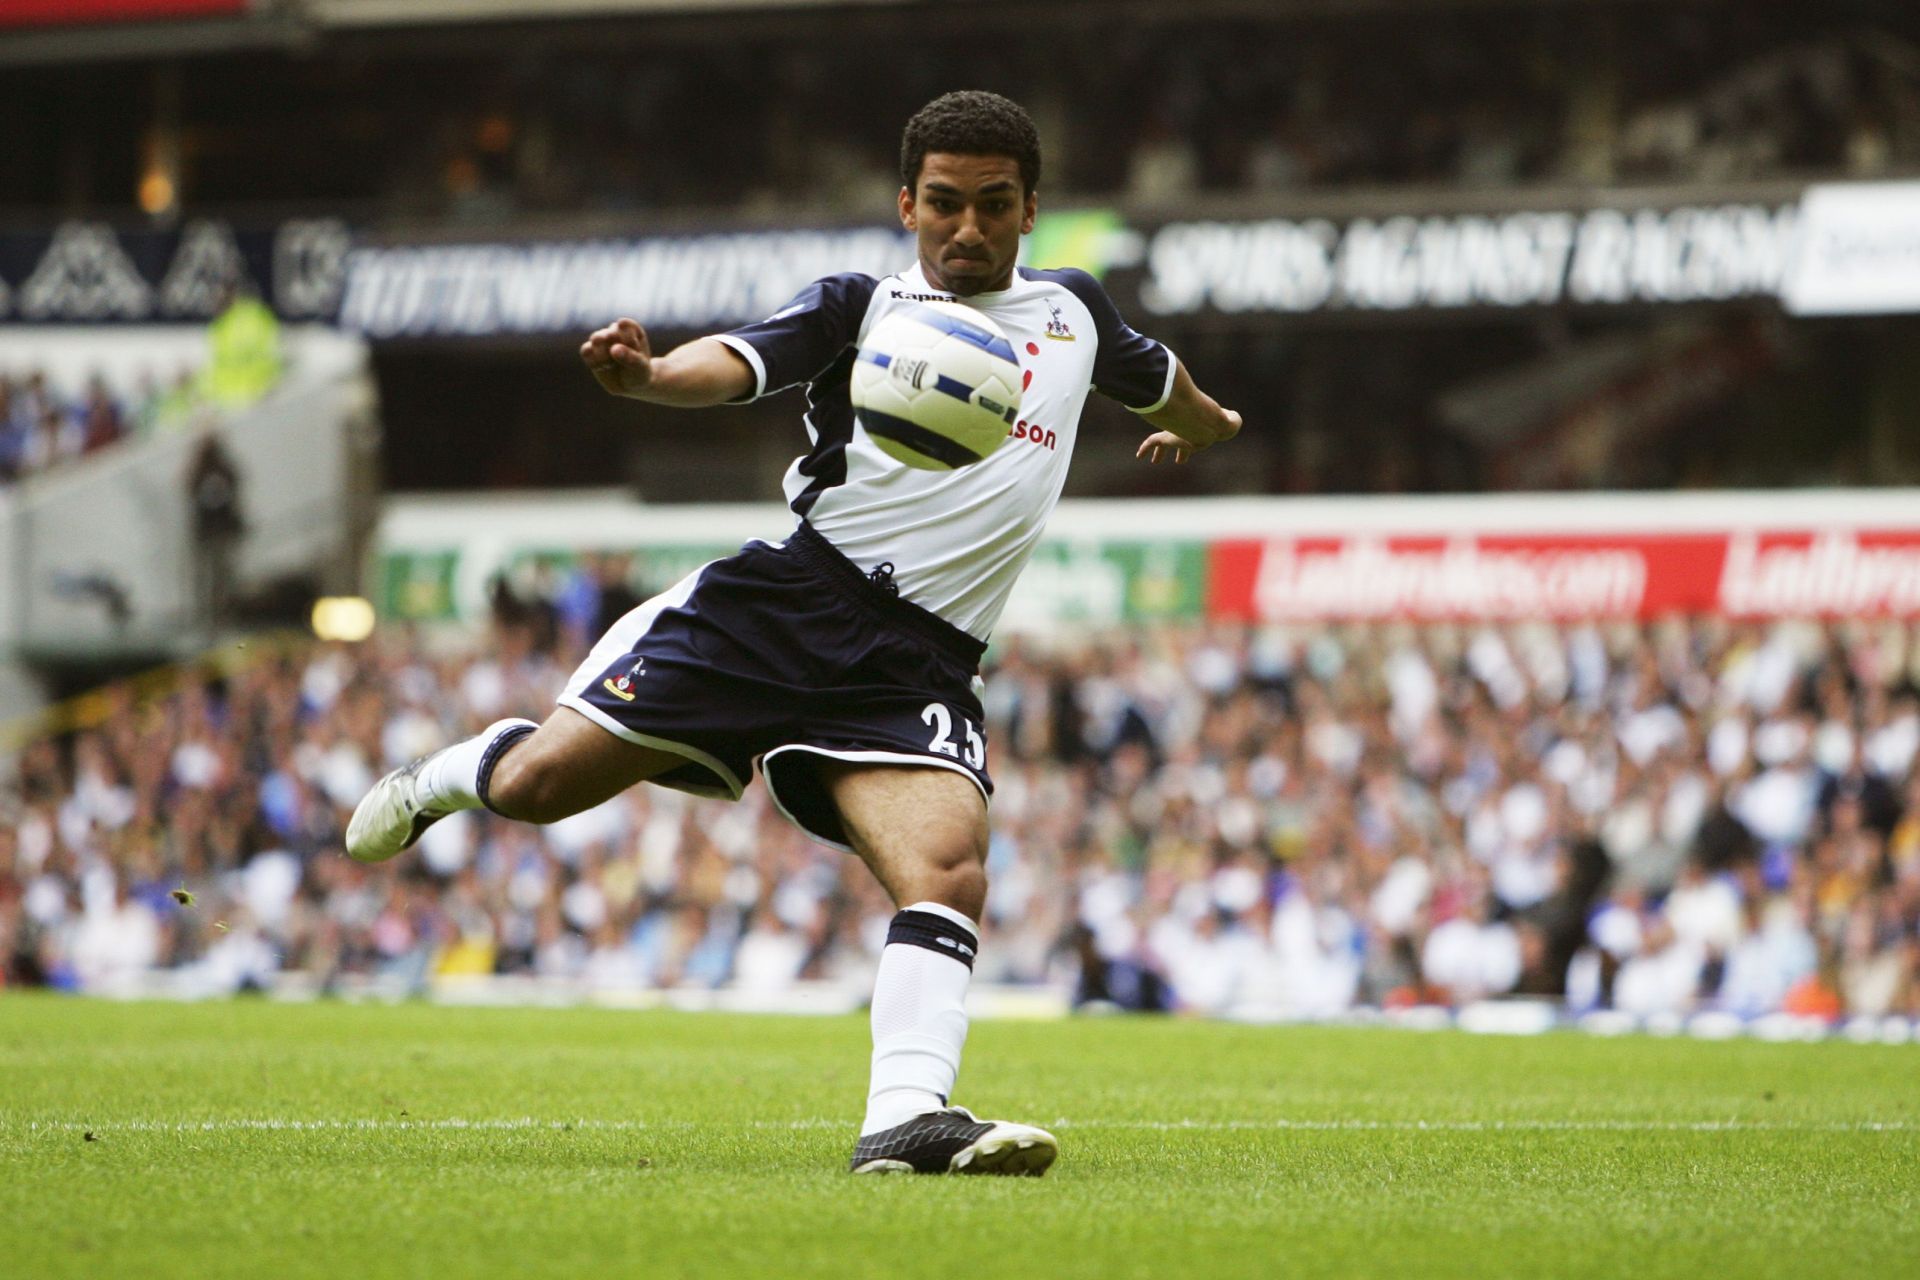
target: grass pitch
<point>253,1139</point>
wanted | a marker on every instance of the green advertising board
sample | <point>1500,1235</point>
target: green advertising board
<point>1078,581</point>
<point>417,586</point>
<point>452,585</point>
<point>1100,581</point>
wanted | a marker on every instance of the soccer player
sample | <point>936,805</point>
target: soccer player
<point>844,660</point>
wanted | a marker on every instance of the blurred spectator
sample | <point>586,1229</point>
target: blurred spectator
<point>616,597</point>
<point>1164,168</point>
<point>56,439</point>
<point>243,352</point>
<point>213,495</point>
<point>101,422</point>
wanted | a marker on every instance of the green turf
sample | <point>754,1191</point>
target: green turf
<point>704,1144</point>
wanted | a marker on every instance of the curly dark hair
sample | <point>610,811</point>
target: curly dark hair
<point>971,122</point>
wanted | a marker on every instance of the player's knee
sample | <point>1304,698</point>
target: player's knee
<point>969,889</point>
<point>959,881</point>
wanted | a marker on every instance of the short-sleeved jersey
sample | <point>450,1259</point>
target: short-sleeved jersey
<point>956,540</point>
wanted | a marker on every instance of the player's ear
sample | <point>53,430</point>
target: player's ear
<point>907,219</point>
<point>1033,209</point>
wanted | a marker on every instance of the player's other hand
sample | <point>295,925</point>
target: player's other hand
<point>619,357</point>
<point>1178,447</point>
<point>1163,441</point>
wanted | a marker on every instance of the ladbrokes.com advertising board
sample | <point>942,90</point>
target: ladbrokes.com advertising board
<point>1750,572</point>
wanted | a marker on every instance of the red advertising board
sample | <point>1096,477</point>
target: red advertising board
<point>1755,573</point>
<point>63,13</point>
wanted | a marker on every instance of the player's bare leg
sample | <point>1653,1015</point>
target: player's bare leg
<point>567,766</point>
<point>923,832</point>
<point>533,773</point>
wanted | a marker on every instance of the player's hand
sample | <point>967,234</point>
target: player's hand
<point>1164,441</point>
<point>1178,447</point>
<point>619,357</point>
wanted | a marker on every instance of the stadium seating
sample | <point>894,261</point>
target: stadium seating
<point>1656,819</point>
<point>43,426</point>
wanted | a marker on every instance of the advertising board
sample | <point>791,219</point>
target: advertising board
<point>1492,558</point>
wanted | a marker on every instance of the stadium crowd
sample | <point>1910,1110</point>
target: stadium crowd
<point>1656,819</point>
<point>44,425</point>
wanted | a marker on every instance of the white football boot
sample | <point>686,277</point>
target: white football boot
<point>390,817</point>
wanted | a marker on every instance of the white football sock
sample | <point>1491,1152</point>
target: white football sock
<point>919,1013</point>
<point>450,779</point>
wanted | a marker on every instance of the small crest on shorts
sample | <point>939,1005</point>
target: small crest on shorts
<point>622,688</point>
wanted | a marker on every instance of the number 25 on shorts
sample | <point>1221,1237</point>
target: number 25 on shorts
<point>943,743</point>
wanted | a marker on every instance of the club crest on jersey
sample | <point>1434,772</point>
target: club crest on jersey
<point>623,687</point>
<point>1057,327</point>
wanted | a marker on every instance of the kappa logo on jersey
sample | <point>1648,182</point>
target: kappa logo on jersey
<point>922,297</point>
<point>1057,327</point>
<point>623,687</point>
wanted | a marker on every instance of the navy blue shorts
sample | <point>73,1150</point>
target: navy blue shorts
<point>779,656</point>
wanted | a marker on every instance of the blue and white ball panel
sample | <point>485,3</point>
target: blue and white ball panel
<point>907,441</point>
<point>939,381</point>
<point>927,443</point>
<point>941,318</point>
<point>936,386</point>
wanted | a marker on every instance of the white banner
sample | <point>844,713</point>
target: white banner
<point>691,282</point>
<point>1859,251</point>
<point>1688,254</point>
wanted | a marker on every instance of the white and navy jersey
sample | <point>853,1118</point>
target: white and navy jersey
<point>956,540</point>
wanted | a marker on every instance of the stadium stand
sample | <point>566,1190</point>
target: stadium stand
<point>1646,817</point>
<point>1162,110</point>
<point>1662,819</point>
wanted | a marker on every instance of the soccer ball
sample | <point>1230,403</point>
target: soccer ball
<point>936,385</point>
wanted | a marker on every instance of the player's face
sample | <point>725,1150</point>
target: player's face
<point>969,213</point>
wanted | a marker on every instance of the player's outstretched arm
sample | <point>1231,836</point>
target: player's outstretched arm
<point>1191,420</point>
<point>702,372</point>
